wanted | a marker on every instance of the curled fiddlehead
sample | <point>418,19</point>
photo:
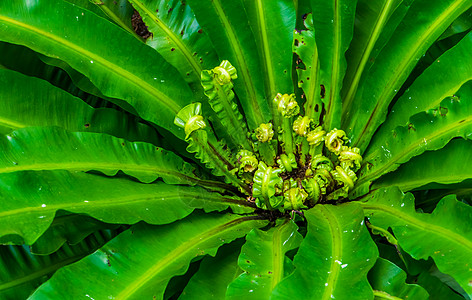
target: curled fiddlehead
<point>294,196</point>
<point>205,146</point>
<point>287,162</point>
<point>225,72</point>
<point>350,158</point>
<point>189,118</point>
<point>316,136</point>
<point>301,125</point>
<point>217,85</point>
<point>266,181</point>
<point>247,161</point>
<point>334,140</point>
<point>264,133</point>
<point>287,106</point>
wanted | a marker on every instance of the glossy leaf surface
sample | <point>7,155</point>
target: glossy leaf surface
<point>344,255</point>
<point>445,234</point>
<point>214,274</point>
<point>156,254</point>
<point>36,196</point>
<point>69,34</point>
<point>410,41</point>
<point>388,278</point>
<point>21,271</point>
<point>308,74</point>
<point>30,149</point>
<point>226,23</point>
<point>263,258</point>
<point>272,26</point>
<point>177,36</point>
<point>444,166</point>
<point>441,80</point>
<point>51,106</point>
<point>68,228</point>
<point>333,22</point>
<point>430,130</point>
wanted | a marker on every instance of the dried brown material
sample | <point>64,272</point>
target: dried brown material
<point>139,27</point>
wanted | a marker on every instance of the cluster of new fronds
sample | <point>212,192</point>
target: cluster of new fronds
<point>292,168</point>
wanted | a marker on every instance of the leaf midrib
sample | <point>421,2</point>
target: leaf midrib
<point>10,123</point>
<point>240,58</point>
<point>176,40</point>
<point>115,201</point>
<point>423,226</point>
<point>409,184</point>
<point>177,253</point>
<point>88,166</point>
<point>404,63</point>
<point>334,67</point>
<point>407,150</point>
<point>379,24</point>
<point>120,72</point>
<point>277,257</point>
<point>266,49</point>
<point>334,268</point>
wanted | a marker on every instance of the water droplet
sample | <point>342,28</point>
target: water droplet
<point>403,204</point>
<point>77,17</point>
<point>86,201</point>
<point>326,284</point>
<point>43,205</point>
<point>162,80</point>
<point>343,266</point>
<point>250,291</point>
<point>337,261</point>
<point>91,61</point>
<point>41,217</point>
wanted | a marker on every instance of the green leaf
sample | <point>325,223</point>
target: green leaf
<point>430,130</point>
<point>439,81</point>
<point>226,24</point>
<point>437,290</point>
<point>263,258</point>
<point>118,11</point>
<point>157,92</point>
<point>445,235</point>
<point>371,19</point>
<point>415,34</point>
<point>31,199</point>
<point>444,166</point>
<point>386,277</point>
<point>156,254</point>
<point>334,258</point>
<point>214,274</point>
<point>51,106</point>
<point>217,84</point>
<point>67,228</point>
<point>21,271</point>
<point>177,36</point>
<point>461,24</point>
<point>306,49</point>
<point>30,149</point>
<point>273,24</point>
<point>333,22</point>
